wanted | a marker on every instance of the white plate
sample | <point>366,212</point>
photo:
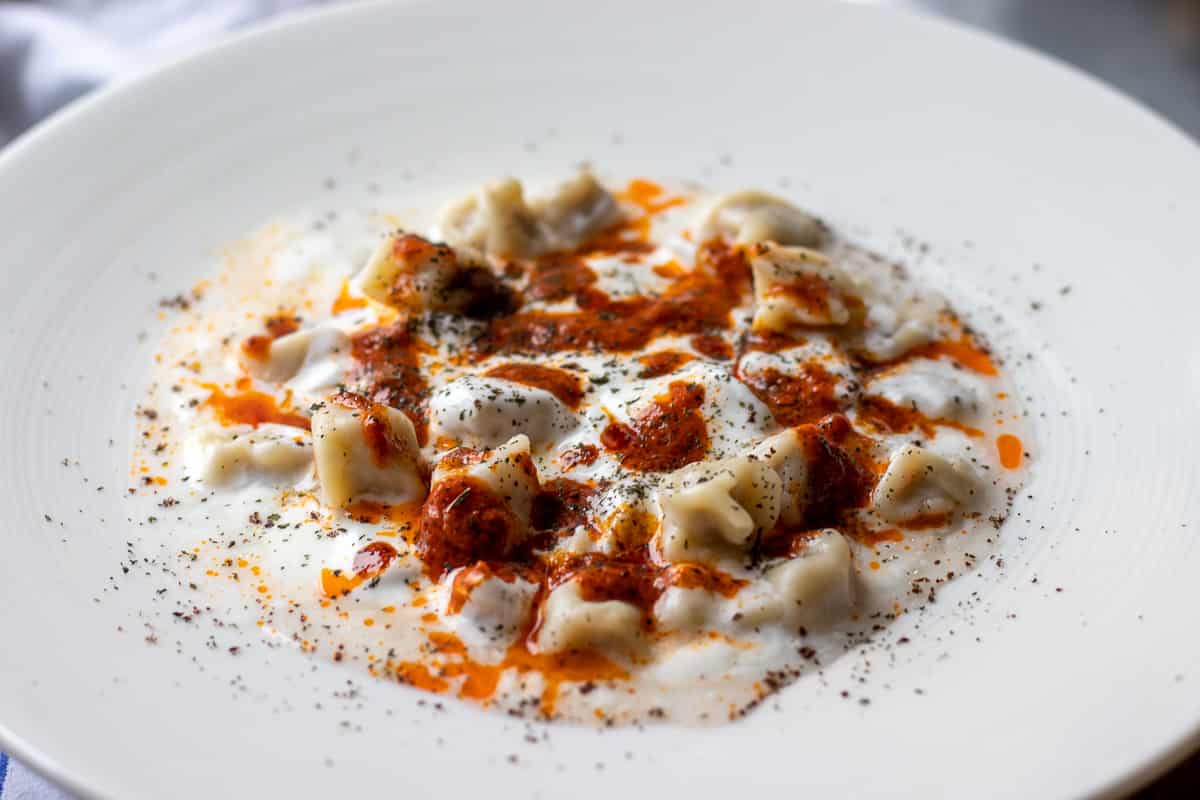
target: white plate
<point>1024,176</point>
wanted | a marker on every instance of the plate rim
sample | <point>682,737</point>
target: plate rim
<point>62,776</point>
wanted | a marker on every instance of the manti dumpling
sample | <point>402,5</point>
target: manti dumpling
<point>286,355</point>
<point>487,412</point>
<point>797,287</point>
<point>569,622</point>
<point>712,511</point>
<point>497,221</point>
<point>270,454</point>
<point>365,450</point>
<point>479,505</point>
<point>919,482</point>
<point>750,217</point>
<point>412,274</point>
<point>816,584</point>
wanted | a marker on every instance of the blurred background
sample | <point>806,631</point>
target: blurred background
<point>54,51</point>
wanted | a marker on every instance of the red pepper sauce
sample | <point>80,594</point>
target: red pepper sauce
<point>664,362</point>
<point>1010,449</point>
<point>877,537</point>
<point>784,542</point>
<point>581,455</point>
<point>572,666</point>
<point>369,562</point>
<point>479,681</point>
<point>928,521</point>
<point>699,576</point>
<point>388,370</point>
<point>558,277</point>
<point>697,302</point>
<point>564,385</point>
<point>841,476</point>
<point>648,196</point>
<point>404,515</point>
<point>563,505</point>
<point>344,301</point>
<point>795,399</point>
<point>728,263</point>
<point>383,443</point>
<point>887,416</point>
<point>464,521</point>
<point>671,433</point>
<point>809,292</point>
<point>963,351</point>
<point>249,407</point>
<point>713,347</point>
<point>259,347</point>
<point>837,430</point>
<point>771,342</point>
<point>630,239</point>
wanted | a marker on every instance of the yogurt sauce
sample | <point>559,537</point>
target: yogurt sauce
<point>226,460</point>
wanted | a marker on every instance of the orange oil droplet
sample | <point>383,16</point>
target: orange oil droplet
<point>1010,449</point>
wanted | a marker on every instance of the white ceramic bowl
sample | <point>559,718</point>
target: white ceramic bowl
<point>1025,177</point>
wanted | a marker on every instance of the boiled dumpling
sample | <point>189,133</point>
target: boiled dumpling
<point>271,454</point>
<point>487,609</point>
<point>486,412</point>
<point>577,210</point>
<point>890,330</point>
<point>365,450</point>
<point>816,584</point>
<point>795,286</point>
<point>569,622</point>
<point>407,271</point>
<point>712,511</point>
<point>932,387</point>
<point>495,220</point>
<point>479,506</point>
<point>412,274</point>
<point>920,482</point>
<point>508,471</point>
<point>749,217</point>
<point>785,454</point>
<point>684,609</point>
<point>285,356</point>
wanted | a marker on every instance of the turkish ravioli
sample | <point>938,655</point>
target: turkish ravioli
<point>599,451</point>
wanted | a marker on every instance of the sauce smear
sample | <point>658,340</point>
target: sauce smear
<point>671,433</point>
<point>249,407</point>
